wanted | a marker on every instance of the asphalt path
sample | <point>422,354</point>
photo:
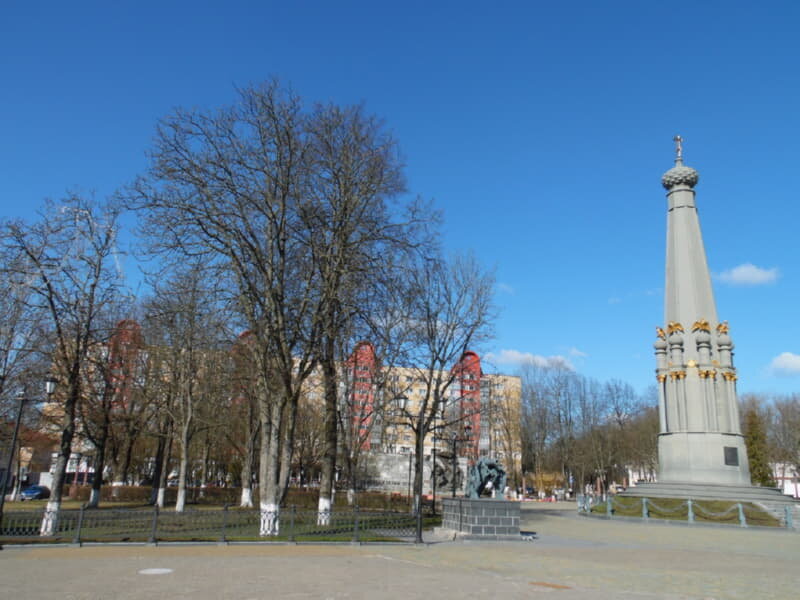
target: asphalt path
<point>566,557</point>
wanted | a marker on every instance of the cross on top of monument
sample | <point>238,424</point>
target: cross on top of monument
<point>678,149</point>
<point>679,174</point>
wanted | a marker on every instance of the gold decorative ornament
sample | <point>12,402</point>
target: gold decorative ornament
<point>661,378</point>
<point>691,364</point>
<point>707,374</point>
<point>722,328</point>
<point>673,327</point>
<point>677,375</point>
<point>729,376</point>
<point>701,325</point>
<point>660,333</point>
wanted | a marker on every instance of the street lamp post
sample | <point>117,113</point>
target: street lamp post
<point>453,455</point>
<point>410,501</point>
<point>433,474</point>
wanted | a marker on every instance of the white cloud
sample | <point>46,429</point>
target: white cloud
<point>577,353</point>
<point>505,288</point>
<point>749,274</point>
<point>786,363</point>
<point>517,358</point>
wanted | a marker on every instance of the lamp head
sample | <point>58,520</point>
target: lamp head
<point>50,385</point>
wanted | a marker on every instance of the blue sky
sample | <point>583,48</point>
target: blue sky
<point>541,129</point>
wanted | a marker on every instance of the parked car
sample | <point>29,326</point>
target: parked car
<point>34,492</point>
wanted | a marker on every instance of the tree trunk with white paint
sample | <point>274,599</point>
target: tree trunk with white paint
<point>269,469</point>
<point>328,474</point>
<point>246,499</point>
<point>180,503</point>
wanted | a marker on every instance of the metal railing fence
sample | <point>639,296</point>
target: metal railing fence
<point>224,525</point>
<point>740,514</point>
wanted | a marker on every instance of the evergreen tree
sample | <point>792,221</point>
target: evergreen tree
<point>755,438</point>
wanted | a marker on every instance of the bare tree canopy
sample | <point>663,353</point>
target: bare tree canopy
<point>580,431</point>
<point>68,261</point>
<point>449,312</point>
<point>293,206</point>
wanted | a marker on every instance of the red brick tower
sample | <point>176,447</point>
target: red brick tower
<point>468,395</point>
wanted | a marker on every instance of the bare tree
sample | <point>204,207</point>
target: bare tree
<point>244,425</point>
<point>186,311</point>
<point>132,412</point>
<point>352,236</point>
<point>68,261</point>
<point>112,371</point>
<point>18,337</point>
<point>536,421</point>
<point>503,415</point>
<point>368,380</point>
<point>20,324</point>
<point>450,313</point>
<point>642,433</point>
<point>784,433</point>
<point>293,204</point>
<point>228,186</point>
<point>366,393</point>
<point>309,442</point>
<point>580,430</point>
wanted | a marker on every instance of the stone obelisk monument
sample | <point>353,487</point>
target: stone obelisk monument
<point>700,439</point>
<point>701,449</point>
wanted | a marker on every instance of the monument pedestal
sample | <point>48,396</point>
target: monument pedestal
<point>481,518</point>
<point>784,508</point>
<point>709,491</point>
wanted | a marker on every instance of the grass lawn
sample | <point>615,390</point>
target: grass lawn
<point>135,523</point>
<point>708,511</point>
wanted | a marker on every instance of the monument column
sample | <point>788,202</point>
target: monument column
<point>700,440</point>
<point>701,451</point>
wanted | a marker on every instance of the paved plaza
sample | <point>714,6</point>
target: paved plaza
<point>569,557</point>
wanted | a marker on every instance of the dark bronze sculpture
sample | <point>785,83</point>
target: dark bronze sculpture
<point>486,474</point>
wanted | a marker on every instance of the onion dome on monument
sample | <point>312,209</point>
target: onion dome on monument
<point>679,174</point>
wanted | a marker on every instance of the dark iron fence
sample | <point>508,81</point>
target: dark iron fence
<point>225,525</point>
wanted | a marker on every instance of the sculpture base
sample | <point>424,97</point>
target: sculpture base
<point>481,519</point>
